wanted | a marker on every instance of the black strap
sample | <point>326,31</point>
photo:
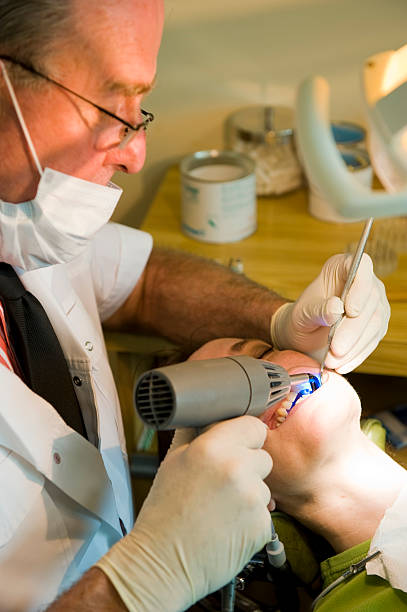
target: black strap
<point>37,349</point>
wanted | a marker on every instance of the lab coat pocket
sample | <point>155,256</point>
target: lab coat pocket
<point>20,486</point>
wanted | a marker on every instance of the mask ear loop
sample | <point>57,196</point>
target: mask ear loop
<point>21,118</point>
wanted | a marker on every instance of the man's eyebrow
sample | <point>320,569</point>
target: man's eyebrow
<point>240,345</point>
<point>129,89</point>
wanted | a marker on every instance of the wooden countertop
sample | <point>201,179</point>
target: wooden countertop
<point>286,253</point>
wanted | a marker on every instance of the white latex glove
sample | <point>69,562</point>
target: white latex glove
<point>304,325</point>
<point>204,518</point>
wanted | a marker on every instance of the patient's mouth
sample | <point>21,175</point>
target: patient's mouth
<point>287,405</point>
<point>275,418</point>
<point>285,408</point>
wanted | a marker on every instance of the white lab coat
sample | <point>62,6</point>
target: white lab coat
<point>60,498</point>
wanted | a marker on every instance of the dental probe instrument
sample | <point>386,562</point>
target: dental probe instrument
<point>352,273</point>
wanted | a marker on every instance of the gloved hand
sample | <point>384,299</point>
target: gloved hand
<point>304,325</point>
<point>204,518</point>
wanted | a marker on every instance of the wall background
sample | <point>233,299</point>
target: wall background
<point>217,56</point>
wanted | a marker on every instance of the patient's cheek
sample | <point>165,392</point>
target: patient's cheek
<point>317,427</point>
<point>296,455</point>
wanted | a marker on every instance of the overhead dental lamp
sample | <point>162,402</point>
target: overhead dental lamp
<point>385,93</point>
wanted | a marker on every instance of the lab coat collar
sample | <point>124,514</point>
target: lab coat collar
<point>53,287</point>
<point>55,282</point>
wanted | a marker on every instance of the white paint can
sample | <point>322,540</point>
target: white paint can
<point>218,196</point>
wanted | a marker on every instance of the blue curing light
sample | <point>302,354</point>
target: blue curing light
<point>315,382</point>
<point>307,388</point>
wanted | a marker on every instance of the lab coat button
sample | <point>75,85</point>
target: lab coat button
<point>88,345</point>
<point>77,381</point>
<point>57,458</point>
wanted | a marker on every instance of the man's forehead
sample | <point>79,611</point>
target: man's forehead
<point>264,350</point>
<point>120,41</point>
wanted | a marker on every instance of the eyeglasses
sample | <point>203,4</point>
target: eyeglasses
<point>130,129</point>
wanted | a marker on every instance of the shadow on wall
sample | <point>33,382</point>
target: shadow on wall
<point>215,59</point>
<point>139,191</point>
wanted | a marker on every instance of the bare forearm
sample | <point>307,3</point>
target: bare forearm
<point>93,592</point>
<point>191,300</point>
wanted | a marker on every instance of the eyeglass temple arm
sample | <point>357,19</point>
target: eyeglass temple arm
<point>149,116</point>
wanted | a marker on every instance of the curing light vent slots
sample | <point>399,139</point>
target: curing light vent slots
<point>279,382</point>
<point>154,399</point>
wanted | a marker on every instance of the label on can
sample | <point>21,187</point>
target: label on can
<point>218,202</point>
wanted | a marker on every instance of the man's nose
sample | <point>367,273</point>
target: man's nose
<point>131,157</point>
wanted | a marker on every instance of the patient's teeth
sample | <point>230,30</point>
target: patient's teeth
<point>289,400</point>
<point>284,408</point>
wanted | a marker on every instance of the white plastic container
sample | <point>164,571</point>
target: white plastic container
<point>218,196</point>
<point>358,162</point>
<point>265,133</point>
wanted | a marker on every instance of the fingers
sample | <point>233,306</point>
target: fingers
<point>246,431</point>
<point>363,286</point>
<point>233,449</point>
<point>319,312</point>
<point>361,349</point>
<point>356,339</point>
<point>261,462</point>
<point>306,324</point>
<point>271,505</point>
<point>353,330</point>
<point>351,365</point>
<point>356,335</point>
<point>332,309</point>
<point>265,495</point>
<point>182,436</point>
<point>352,359</point>
<point>237,443</point>
<point>335,273</point>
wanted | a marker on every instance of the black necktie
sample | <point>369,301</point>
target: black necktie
<point>37,349</point>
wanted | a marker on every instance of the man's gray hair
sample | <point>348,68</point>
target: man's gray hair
<point>30,30</point>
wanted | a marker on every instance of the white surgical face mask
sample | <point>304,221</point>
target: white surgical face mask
<point>57,225</point>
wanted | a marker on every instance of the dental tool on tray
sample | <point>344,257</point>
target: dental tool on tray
<point>352,273</point>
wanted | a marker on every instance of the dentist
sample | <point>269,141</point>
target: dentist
<point>72,79</point>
